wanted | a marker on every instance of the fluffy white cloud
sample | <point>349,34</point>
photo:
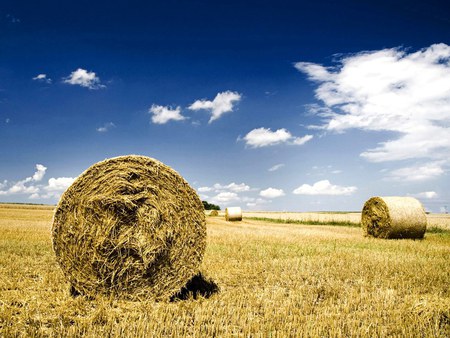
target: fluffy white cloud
<point>418,172</point>
<point>276,167</point>
<point>389,90</point>
<point>40,172</point>
<point>425,194</point>
<point>163,114</point>
<point>263,137</point>
<point>25,186</point>
<point>106,127</point>
<point>324,187</point>
<point>255,202</point>
<point>232,187</point>
<point>42,78</point>
<point>226,194</point>
<point>30,186</point>
<point>225,197</point>
<point>84,78</point>
<point>271,193</point>
<point>222,103</point>
<point>59,184</point>
<point>204,189</point>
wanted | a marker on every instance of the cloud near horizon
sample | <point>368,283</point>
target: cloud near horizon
<point>271,193</point>
<point>31,186</point>
<point>389,90</point>
<point>264,137</point>
<point>324,187</point>
<point>83,78</point>
<point>222,103</point>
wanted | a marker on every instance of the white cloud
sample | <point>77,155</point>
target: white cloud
<point>324,187</point>
<point>271,193</point>
<point>84,78</point>
<point>106,127</point>
<point>232,187</point>
<point>390,90</point>
<point>227,193</point>
<point>225,197</point>
<point>417,173</point>
<point>255,202</point>
<point>222,103</point>
<point>276,167</point>
<point>35,191</point>
<point>163,114</point>
<point>21,188</point>
<point>298,141</point>
<point>204,189</point>
<point>425,194</point>
<point>59,184</point>
<point>263,137</point>
<point>26,185</point>
<point>42,78</point>
<point>40,172</point>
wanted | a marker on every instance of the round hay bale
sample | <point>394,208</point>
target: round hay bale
<point>393,217</point>
<point>233,214</point>
<point>214,213</point>
<point>130,227</point>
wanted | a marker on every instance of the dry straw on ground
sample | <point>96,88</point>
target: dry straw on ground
<point>130,227</point>
<point>214,213</point>
<point>233,214</point>
<point>393,217</point>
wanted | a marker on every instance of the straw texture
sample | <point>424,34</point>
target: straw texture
<point>233,214</point>
<point>130,227</point>
<point>393,217</point>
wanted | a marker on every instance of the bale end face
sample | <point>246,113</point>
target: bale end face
<point>130,227</point>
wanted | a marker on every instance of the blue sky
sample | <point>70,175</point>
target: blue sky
<point>286,105</point>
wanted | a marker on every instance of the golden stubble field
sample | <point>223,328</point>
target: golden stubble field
<point>275,279</point>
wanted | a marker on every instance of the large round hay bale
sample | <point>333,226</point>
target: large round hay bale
<point>130,227</point>
<point>393,217</point>
<point>233,214</point>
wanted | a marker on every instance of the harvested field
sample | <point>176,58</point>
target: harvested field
<point>275,279</point>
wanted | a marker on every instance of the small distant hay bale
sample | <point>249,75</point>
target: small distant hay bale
<point>393,217</point>
<point>214,213</point>
<point>233,214</point>
<point>130,227</point>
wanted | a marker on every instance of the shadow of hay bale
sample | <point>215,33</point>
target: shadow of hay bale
<point>197,286</point>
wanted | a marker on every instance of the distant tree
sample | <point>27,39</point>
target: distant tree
<point>210,206</point>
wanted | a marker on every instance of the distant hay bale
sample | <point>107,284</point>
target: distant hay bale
<point>393,217</point>
<point>233,214</point>
<point>130,227</point>
<point>214,213</point>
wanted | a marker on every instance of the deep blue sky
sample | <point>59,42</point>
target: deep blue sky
<point>172,54</point>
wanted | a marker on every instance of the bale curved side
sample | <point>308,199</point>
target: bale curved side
<point>233,214</point>
<point>130,227</point>
<point>393,217</point>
